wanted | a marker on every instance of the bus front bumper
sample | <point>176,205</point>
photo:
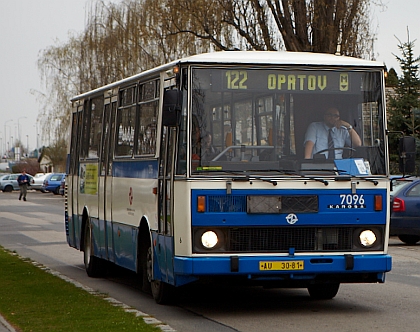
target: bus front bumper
<point>343,268</point>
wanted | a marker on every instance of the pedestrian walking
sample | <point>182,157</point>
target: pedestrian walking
<point>23,181</point>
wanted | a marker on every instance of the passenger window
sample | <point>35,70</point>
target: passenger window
<point>126,120</point>
<point>95,131</point>
<point>148,111</point>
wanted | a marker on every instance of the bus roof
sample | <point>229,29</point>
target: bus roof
<point>280,58</point>
<point>249,58</point>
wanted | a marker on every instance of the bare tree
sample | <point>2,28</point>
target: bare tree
<point>326,26</point>
<point>118,41</point>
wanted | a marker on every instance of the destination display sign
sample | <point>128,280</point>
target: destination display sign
<point>293,81</point>
<point>287,81</point>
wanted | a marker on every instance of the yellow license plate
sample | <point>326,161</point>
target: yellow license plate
<point>282,266</point>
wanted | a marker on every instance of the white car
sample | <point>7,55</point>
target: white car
<point>9,182</point>
<point>38,181</point>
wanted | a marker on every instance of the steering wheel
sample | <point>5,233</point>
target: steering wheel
<point>221,154</point>
<point>345,148</point>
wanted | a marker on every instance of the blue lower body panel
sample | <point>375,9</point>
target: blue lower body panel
<point>350,268</point>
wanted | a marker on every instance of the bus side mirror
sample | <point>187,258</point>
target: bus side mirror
<point>407,154</point>
<point>172,105</point>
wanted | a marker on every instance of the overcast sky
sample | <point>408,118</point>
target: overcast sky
<point>29,26</point>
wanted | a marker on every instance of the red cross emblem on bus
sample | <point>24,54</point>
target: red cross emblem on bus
<point>130,196</point>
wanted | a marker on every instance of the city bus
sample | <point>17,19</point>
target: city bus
<point>194,171</point>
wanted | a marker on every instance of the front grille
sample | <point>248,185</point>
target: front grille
<point>282,239</point>
<point>226,203</point>
<point>307,203</point>
<point>263,203</point>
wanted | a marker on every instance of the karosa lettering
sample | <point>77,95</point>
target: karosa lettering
<point>348,206</point>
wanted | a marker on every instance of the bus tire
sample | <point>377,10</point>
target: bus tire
<point>162,292</point>
<point>144,273</point>
<point>94,266</point>
<point>323,291</point>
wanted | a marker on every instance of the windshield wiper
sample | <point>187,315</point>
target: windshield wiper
<point>248,177</point>
<point>244,176</point>
<point>366,178</point>
<point>279,171</point>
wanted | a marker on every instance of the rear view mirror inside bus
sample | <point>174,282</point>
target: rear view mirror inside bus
<point>172,104</point>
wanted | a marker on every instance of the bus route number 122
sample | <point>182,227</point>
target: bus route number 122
<point>236,79</point>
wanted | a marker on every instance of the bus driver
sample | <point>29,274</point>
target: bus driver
<point>330,134</point>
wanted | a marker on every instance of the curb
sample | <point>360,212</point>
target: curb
<point>6,324</point>
<point>147,318</point>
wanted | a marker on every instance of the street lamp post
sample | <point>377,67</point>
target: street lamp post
<point>37,139</point>
<point>5,134</point>
<point>18,128</point>
<point>12,146</point>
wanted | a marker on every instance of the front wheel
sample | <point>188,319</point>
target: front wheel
<point>94,266</point>
<point>323,291</point>
<point>162,292</point>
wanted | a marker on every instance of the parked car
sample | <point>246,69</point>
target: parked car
<point>9,182</point>
<point>52,182</point>
<point>405,212</point>
<point>62,185</point>
<point>38,181</point>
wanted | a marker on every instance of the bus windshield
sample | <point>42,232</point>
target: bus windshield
<point>260,119</point>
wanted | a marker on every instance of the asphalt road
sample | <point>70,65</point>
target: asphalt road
<point>35,229</point>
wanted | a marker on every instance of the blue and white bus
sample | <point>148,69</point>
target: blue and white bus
<point>195,170</point>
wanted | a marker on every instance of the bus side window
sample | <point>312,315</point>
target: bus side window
<point>147,118</point>
<point>125,131</point>
<point>95,130</point>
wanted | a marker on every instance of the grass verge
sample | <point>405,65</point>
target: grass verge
<point>32,299</point>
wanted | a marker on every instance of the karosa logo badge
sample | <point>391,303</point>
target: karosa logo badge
<point>291,218</point>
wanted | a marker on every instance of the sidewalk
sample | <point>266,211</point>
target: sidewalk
<point>5,326</point>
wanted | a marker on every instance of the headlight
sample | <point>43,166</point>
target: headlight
<point>367,238</point>
<point>209,239</point>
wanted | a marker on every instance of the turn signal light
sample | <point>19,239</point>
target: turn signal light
<point>378,202</point>
<point>201,204</point>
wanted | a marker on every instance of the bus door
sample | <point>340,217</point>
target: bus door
<point>164,249</point>
<point>105,178</point>
<point>73,180</point>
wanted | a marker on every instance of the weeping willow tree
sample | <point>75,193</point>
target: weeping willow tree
<point>119,40</point>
